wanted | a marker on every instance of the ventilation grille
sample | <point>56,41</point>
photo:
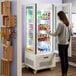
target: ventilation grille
<point>48,63</point>
<point>30,62</point>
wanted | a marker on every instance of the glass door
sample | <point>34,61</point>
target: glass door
<point>67,9</point>
<point>30,32</point>
<point>44,24</point>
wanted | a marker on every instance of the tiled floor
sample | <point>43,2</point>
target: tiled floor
<point>48,72</point>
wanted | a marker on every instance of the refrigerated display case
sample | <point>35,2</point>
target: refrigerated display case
<point>40,47</point>
<point>39,52</point>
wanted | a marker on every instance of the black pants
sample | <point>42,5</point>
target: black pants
<point>63,53</point>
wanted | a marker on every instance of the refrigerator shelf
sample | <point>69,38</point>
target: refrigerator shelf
<point>44,52</point>
<point>42,32</point>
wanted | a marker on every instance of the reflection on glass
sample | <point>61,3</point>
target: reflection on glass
<point>29,14</point>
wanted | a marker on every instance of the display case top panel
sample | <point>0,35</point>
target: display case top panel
<point>44,6</point>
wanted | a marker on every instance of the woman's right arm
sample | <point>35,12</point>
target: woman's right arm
<point>57,32</point>
<point>71,31</point>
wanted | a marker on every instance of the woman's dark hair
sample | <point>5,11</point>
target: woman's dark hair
<point>63,18</point>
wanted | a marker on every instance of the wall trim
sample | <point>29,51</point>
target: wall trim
<point>19,38</point>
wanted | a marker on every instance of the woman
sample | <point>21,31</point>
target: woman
<point>63,32</point>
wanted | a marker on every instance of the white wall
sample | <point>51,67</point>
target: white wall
<point>73,4</point>
<point>41,1</point>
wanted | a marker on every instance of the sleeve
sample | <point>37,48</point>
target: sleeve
<point>58,30</point>
<point>71,31</point>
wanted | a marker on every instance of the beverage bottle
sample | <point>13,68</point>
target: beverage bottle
<point>49,46</point>
<point>48,38</point>
<point>30,14</point>
<point>43,26</point>
<point>40,15</point>
<point>42,38</point>
<point>48,16</point>
<point>40,26</point>
<point>46,26</point>
<point>45,37</point>
<point>43,16</point>
<point>46,47</point>
<point>49,27</point>
<point>38,36</point>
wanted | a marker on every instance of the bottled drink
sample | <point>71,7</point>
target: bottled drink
<point>43,16</point>
<point>48,38</point>
<point>48,16</point>
<point>40,26</point>
<point>39,15</point>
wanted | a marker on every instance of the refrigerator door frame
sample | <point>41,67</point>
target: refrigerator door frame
<point>69,5</point>
<point>28,5</point>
